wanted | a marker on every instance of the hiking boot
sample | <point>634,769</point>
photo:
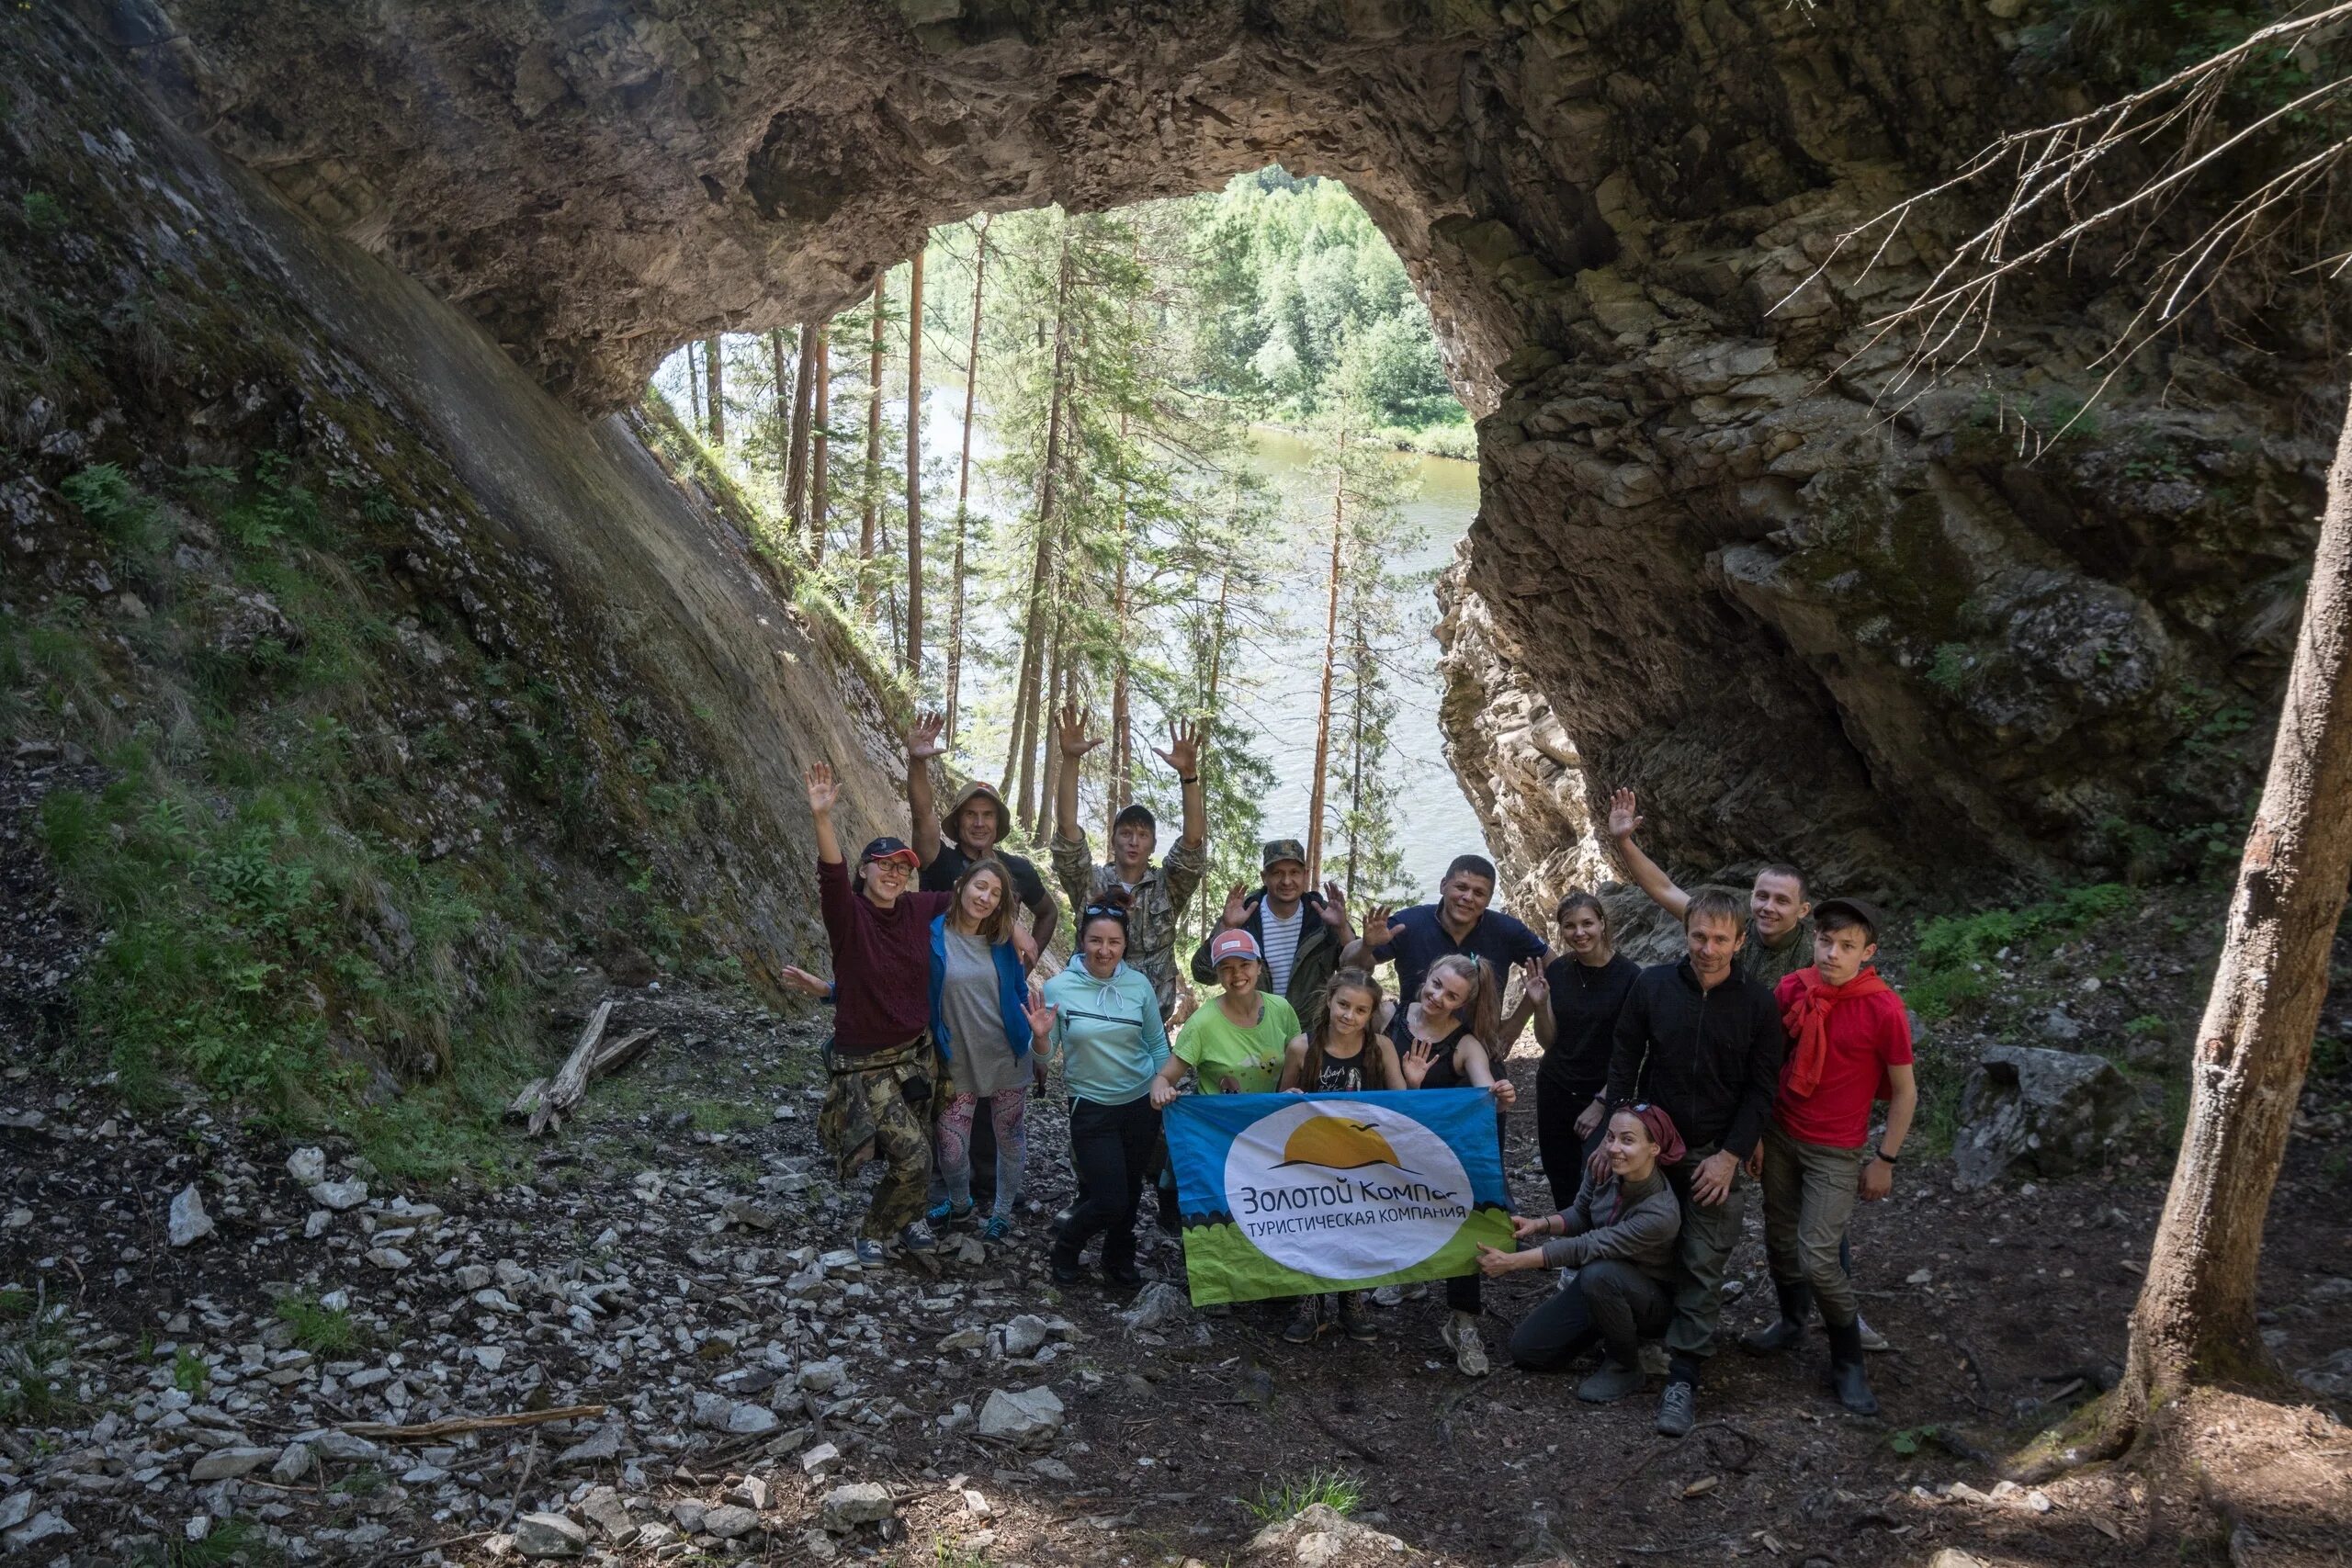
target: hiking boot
<point>947,1213</point>
<point>1304,1322</point>
<point>1609,1383</point>
<point>1355,1318</point>
<point>1461,1336</point>
<point>1796,1305</point>
<point>1064,1269</point>
<point>1873,1340</point>
<point>917,1238</point>
<point>1846,1378</point>
<point>1124,1274</point>
<point>1677,1410</point>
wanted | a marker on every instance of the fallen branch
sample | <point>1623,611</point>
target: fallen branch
<point>545,1102</point>
<point>457,1426</point>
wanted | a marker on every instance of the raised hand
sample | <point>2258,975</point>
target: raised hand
<point>923,737</point>
<point>1075,742</point>
<point>1533,984</point>
<point>1625,817</point>
<point>1041,1016</point>
<point>1184,752</point>
<point>823,791</point>
<point>808,985</point>
<point>1416,1064</point>
<point>1236,907</point>
<point>1377,932</point>
<point>1334,912</point>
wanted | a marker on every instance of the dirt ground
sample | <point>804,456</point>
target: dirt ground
<point>2006,1307</point>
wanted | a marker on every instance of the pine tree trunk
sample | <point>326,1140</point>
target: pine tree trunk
<point>780,415</point>
<point>795,471</point>
<point>1032,641</point>
<point>2195,1319</point>
<point>914,470</point>
<point>1359,657</point>
<point>964,490</point>
<point>1121,784</point>
<point>820,499</point>
<point>694,389</point>
<point>873,486</point>
<point>716,394</point>
<point>1331,648</point>
<point>1058,683</point>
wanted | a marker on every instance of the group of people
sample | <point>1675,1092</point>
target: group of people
<point>1664,1094</point>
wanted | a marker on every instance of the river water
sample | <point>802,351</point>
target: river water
<point>1435,822</point>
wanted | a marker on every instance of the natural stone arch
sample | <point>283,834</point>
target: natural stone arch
<point>1873,646</point>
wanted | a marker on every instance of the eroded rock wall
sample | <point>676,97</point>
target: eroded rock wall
<point>1880,636</point>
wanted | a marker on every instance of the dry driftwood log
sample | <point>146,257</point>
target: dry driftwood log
<point>457,1426</point>
<point>545,1102</point>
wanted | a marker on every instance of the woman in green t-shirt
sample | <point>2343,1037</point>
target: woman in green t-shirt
<point>1235,1046</point>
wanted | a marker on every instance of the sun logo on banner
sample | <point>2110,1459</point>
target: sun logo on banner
<point>1337,1144</point>
<point>1344,1188</point>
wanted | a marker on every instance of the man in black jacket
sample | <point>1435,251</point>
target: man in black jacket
<point>1299,932</point>
<point>1705,1044</point>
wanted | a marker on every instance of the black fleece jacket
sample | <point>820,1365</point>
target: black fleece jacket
<point>1711,1058</point>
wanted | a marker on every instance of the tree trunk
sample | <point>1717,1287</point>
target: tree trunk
<point>795,471</point>
<point>964,490</point>
<point>780,415</point>
<point>1058,692</point>
<point>873,486</point>
<point>820,498</point>
<point>1331,648</point>
<point>2195,1319</point>
<point>1359,657</point>
<point>914,470</point>
<point>693,388</point>
<point>716,395</point>
<point>1032,639</point>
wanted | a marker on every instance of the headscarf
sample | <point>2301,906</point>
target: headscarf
<point>1662,1131</point>
<point>1806,1018</point>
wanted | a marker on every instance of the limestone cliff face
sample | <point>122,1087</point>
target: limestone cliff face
<point>277,515</point>
<point>1881,636</point>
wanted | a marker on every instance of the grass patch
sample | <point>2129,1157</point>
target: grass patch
<point>1948,968</point>
<point>191,1375</point>
<point>1335,1489</point>
<point>35,1390</point>
<point>231,1540</point>
<point>322,1330</point>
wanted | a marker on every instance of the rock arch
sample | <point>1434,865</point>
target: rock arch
<point>1704,562</point>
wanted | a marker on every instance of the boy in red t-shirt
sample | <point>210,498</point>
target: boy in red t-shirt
<point>1849,1043</point>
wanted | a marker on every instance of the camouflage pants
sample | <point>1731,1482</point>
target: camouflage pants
<point>868,1116</point>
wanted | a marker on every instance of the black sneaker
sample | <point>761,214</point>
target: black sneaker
<point>1677,1410</point>
<point>1304,1322</point>
<point>1065,1273</point>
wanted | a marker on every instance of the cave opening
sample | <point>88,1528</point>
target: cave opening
<point>1262,471</point>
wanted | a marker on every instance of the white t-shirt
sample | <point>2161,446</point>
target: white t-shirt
<point>1281,943</point>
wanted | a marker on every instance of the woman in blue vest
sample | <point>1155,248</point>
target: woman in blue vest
<point>983,1019</point>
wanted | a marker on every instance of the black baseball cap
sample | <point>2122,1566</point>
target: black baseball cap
<point>1872,921</point>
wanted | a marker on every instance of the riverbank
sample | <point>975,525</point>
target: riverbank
<point>1456,442</point>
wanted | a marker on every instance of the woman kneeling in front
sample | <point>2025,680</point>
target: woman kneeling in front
<point>1619,1238</point>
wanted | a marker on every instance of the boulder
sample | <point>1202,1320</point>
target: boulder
<point>2332,1379</point>
<point>1029,1418</point>
<point>729,1520</point>
<point>1025,1333</point>
<point>857,1502</point>
<point>549,1535</point>
<point>2052,1113</point>
<point>1318,1536</point>
<point>188,1222</point>
<point>1160,1306</point>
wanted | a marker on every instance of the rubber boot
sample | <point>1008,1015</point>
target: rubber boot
<point>1851,1384</point>
<point>1796,1306</point>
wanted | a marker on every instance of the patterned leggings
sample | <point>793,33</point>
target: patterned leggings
<point>1008,1114</point>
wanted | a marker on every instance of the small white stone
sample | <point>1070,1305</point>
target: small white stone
<point>306,1166</point>
<point>188,1222</point>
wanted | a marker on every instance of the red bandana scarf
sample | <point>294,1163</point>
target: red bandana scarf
<point>1806,1018</point>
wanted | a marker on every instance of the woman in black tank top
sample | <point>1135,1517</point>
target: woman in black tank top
<point>1442,1039</point>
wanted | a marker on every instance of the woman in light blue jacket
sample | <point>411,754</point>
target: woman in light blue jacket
<point>1106,1029</point>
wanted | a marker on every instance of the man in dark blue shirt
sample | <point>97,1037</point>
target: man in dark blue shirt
<point>1458,922</point>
